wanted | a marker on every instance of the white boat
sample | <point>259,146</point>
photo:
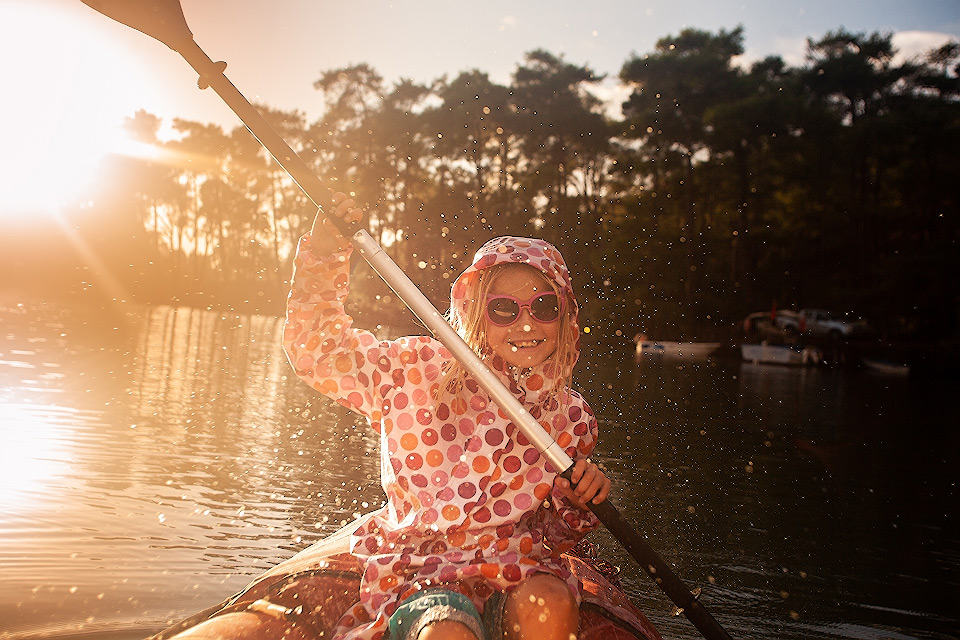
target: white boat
<point>886,367</point>
<point>676,350</point>
<point>780,354</point>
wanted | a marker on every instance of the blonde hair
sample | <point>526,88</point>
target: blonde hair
<point>470,322</point>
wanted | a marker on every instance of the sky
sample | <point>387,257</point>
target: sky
<point>71,75</point>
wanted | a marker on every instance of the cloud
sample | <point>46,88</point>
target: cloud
<point>508,23</point>
<point>911,44</point>
<point>793,51</point>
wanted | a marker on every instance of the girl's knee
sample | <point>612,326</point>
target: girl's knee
<point>446,630</point>
<point>551,589</point>
<point>541,602</point>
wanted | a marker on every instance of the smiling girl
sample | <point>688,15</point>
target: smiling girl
<point>469,543</point>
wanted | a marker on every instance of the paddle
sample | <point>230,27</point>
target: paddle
<point>163,20</point>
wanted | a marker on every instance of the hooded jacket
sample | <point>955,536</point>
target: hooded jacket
<point>469,500</point>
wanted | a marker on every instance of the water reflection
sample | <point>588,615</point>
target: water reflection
<point>155,459</point>
<point>169,462</point>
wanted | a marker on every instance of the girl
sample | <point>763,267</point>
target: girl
<point>475,519</point>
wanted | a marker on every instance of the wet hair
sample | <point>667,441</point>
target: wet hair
<point>471,324</point>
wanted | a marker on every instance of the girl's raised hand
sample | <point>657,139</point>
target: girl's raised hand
<point>325,237</point>
<point>589,484</point>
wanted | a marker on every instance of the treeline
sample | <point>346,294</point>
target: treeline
<point>712,191</point>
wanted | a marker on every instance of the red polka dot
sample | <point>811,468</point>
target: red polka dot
<point>448,432</point>
<point>512,464</point>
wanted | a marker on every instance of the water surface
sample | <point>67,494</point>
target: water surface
<point>155,460</point>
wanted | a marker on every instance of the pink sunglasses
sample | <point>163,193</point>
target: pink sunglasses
<point>504,310</point>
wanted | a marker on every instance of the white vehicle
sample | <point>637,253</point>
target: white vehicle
<point>818,322</point>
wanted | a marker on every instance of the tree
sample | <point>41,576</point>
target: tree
<point>561,129</point>
<point>674,89</point>
<point>472,139</point>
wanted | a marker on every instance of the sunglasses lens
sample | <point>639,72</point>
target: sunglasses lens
<point>546,308</point>
<point>502,311</point>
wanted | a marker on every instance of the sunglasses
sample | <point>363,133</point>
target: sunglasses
<point>505,310</point>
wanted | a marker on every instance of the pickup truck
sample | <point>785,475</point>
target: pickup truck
<point>818,322</point>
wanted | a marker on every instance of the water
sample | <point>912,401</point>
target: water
<point>154,460</point>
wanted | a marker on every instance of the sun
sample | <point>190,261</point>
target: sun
<point>65,99</point>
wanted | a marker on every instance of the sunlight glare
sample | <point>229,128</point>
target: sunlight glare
<point>65,99</point>
<point>32,456</point>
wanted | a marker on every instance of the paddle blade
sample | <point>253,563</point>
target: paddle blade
<point>160,19</point>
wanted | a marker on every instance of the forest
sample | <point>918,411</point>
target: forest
<point>713,191</point>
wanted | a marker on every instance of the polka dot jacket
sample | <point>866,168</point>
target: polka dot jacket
<point>470,502</point>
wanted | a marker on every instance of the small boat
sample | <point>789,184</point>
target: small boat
<point>305,596</point>
<point>886,367</point>
<point>764,353</point>
<point>675,350</point>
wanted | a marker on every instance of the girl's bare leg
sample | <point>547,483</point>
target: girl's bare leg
<point>446,630</point>
<point>242,625</point>
<point>541,608</point>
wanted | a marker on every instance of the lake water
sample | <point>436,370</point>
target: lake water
<point>155,460</point>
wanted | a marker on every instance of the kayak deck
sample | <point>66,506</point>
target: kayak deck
<point>309,596</point>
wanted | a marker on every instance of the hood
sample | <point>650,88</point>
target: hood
<point>544,257</point>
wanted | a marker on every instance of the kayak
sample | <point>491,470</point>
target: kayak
<point>304,597</point>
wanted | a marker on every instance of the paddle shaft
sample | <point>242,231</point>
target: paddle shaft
<point>656,568</point>
<point>211,74</point>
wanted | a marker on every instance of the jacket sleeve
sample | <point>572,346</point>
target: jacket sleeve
<point>585,432</point>
<point>349,365</point>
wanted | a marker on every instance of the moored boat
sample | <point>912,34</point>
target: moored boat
<point>886,367</point>
<point>304,597</point>
<point>764,353</point>
<point>675,350</point>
